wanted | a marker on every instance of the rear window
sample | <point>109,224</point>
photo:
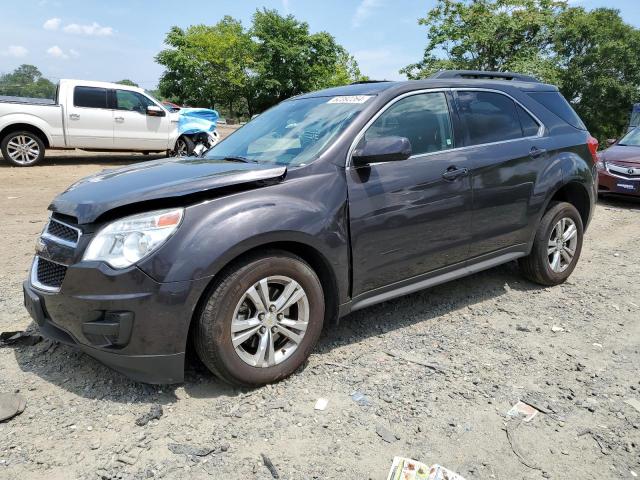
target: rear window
<point>90,97</point>
<point>557,104</point>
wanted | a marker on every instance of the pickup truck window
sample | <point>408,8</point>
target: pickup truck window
<point>90,97</point>
<point>423,119</point>
<point>293,133</point>
<point>132,101</point>
<point>490,117</point>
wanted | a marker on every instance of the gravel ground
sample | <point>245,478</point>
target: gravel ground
<point>439,370</point>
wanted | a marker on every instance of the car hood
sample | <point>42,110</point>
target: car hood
<point>93,196</point>
<point>626,156</point>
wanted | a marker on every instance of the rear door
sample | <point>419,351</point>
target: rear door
<point>89,121</point>
<point>133,128</point>
<point>501,138</point>
<point>410,217</point>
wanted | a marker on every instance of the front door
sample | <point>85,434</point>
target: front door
<point>133,128</point>
<point>413,216</point>
<point>89,121</point>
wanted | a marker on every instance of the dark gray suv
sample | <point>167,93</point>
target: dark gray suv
<point>327,203</point>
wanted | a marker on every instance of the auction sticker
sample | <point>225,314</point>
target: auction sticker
<point>350,99</point>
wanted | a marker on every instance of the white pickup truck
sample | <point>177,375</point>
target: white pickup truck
<point>94,116</point>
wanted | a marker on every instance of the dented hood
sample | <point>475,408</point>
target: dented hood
<point>93,196</point>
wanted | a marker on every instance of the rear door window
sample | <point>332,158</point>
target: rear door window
<point>423,118</point>
<point>557,104</point>
<point>489,117</point>
<point>90,97</point>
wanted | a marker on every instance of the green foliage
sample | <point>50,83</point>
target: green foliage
<point>243,72</point>
<point>26,81</point>
<point>593,56</point>
<point>127,82</point>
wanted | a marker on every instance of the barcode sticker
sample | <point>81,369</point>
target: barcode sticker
<point>350,99</point>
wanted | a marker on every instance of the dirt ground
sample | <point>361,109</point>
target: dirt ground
<point>439,370</point>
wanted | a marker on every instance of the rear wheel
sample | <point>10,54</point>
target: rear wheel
<point>556,247</point>
<point>22,149</point>
<point>262,320</point>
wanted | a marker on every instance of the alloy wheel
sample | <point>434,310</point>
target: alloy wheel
<point>23,149</point>
<point>561,247</point>
<point>270,321</point>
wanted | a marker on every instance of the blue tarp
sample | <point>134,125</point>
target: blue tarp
<point>195,120</point>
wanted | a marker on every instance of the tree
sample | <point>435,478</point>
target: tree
<point>128,82</point>
<point>599,67</point>
<point>247,71</point>
<point>26,81</point>
<point>592,56</point>
<point>206,65</point>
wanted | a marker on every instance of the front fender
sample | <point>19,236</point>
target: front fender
<point>310,211</point>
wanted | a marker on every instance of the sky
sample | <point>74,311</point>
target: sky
<point>110,40</point>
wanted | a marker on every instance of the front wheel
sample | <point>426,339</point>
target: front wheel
<point>184,147</point>
<point>261,320</point>
<point>556,247</point>
<point>22,149</point>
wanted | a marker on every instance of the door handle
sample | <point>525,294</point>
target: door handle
<point>119,119</point>
<point>74,116</point>
<point>452,173</point>
<point>537,152</point>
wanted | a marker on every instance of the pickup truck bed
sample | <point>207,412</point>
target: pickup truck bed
<point>27,100</point>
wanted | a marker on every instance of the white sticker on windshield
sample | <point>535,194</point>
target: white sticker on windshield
<point>350,99</point>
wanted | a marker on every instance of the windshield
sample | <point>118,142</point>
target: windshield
<point>631,139</point>
<point>293,133</point>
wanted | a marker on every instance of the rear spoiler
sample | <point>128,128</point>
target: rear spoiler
<point>481,75</point>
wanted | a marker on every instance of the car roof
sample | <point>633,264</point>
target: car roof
<point>377,87</point>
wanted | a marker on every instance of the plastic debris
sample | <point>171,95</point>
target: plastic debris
<point>11,405</point>
<point>524,409</point>
<point>19,338</point>
<point>321,404</point>
<point>408,469</point>
<point>360,398</point>
<point>556,329</point>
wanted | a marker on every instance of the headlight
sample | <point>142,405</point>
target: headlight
<point>130,239</point>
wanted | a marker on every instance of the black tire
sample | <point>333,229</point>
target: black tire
<point>184,147</point>
<point>23,137</point>
<point>536,266</point>
<point>212,335</point>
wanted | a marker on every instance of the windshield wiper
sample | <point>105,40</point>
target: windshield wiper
<point>236,158</point>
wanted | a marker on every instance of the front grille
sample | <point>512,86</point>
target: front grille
<point>49,274</point>
<point>632,173</point>
<point>63,231</point>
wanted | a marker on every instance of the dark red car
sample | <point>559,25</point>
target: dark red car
<point>619,166</point>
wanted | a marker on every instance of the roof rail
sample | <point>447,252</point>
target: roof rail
<point>360,82</point>
<point>479,74</point>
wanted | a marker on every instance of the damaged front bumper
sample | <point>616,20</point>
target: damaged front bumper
<point>124,319</point>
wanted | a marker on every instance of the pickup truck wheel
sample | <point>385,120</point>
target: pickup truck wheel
<point>184,147</point>
<point>557,246</point>
<point>261,320</point>
<point>22,149</point>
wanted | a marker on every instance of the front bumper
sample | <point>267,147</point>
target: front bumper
<point>124,319</point>
<point>614,184</point>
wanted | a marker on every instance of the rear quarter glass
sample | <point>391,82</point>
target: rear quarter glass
<point>556,104</point>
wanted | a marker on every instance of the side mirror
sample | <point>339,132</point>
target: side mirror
<point>383,149</point>
<point>611,141</point>
<point>155,111</point>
